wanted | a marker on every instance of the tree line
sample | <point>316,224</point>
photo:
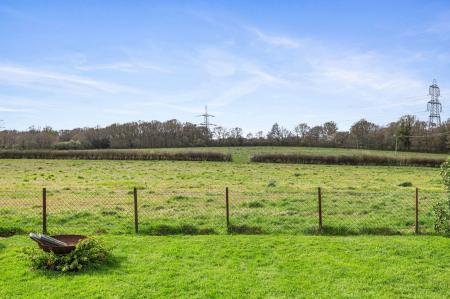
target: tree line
<point>407,134</point>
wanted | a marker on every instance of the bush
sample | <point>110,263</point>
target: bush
<point>405,184</point>
<point>68,145</point>
<point>114,155</point>
<point>346,160</point>
<point>87,254</point>
<point>441,210</point>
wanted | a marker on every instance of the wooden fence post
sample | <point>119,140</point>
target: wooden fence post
<point>417,211</point>
<point>227,204</point>
<point>136,219</point>
<point>44,211</point>
<point>319,196</point>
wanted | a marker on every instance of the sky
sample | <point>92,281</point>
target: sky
<point>69,64</point>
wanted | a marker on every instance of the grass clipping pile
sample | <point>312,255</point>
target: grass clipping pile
<point>88,253</point>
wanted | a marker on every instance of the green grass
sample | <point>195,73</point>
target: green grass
<point>277,200</point>
<point>200,176</point>
<point>243,267</point>
<point>243,154</point>
<point>96,196</point>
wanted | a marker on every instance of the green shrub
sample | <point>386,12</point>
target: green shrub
<point>405,184</point>
<point>441,210</point>
<point>87,254</point>
<point>346,160</point>
<point>114,155</point>
<point>68,145</point>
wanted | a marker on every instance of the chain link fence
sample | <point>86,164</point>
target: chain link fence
<point>156,213</point>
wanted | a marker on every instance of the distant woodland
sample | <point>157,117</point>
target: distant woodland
<point>408,132</point>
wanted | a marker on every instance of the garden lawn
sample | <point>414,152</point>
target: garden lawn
<point>243,267</point>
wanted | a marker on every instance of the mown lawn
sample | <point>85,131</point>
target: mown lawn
<point>243,267</point>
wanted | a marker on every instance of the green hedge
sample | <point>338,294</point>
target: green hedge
<point>114,155</point>
<point>346,160</point>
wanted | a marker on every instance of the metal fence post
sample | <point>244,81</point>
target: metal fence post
<point>417,211</point>
<point>44,211</point>
<point>136,219</point>
<point>319,197</point>
<point>227,204</point>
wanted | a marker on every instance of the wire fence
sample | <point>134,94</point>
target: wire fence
<point>218,212</point>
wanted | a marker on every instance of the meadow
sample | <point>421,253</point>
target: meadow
<point>189,197</point>
<point>275,203</point>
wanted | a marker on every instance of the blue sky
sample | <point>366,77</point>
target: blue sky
<point>71,64</point>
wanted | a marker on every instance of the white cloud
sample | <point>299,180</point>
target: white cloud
<point>124,67</point>
<point>31,77</point>
<point>8,109</point>
<point>121,111</point>
<point>281,41</point>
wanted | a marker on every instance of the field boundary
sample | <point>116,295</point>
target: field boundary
<point>363,160</point>
<point>115,155</point>
<point>320,211</point>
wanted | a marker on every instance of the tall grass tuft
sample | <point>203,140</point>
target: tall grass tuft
<point>366,160</point>
<point>115,155</point>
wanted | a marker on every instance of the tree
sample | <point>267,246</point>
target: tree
<point>330,128</point>
<point>301,130</point>
<point>363,133</point>
<point>404,131</point>
<point>275,133</point>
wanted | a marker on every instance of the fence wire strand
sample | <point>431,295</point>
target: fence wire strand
<point>184,212</point>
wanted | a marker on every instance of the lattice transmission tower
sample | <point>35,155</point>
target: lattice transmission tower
<point>206,116</point>
<point>434,106</point>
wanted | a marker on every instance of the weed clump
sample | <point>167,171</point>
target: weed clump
<point>88,253</point>
<point>245,229</point>
<point>272,184</point>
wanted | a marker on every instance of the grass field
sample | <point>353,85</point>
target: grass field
<point>278,200</point>
<point>243,154</point>
<point>265,197</point>
<point>244,266</point>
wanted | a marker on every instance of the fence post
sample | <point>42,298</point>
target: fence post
<point>136,219</point>
<point>227,204</point>
<point>417,211</point>
<point>319,196</point>
<point>44,211</point>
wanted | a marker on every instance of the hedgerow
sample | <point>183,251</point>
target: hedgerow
<point>114,155</point>
<point>366,160</point>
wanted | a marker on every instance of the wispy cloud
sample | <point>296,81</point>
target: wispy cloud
<point>275,40</point>
<point>8,109</point>
<point>122,111</point>
<point>124,67</point>
<point>30,76</point>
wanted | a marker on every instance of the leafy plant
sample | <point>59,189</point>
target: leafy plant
<point>441,209</point>
<point>88,253</point>
<point>441,212</point>
<point>272,183</point>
